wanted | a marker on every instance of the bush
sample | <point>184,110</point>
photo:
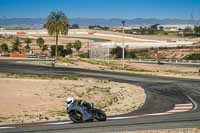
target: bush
<point>131,54</point>
<point>77,45</point>
<point>84,55</point>
<point>117,52</point>
<point>193,56</point>
<point>61,51</point>
<point>4,47</point>
<point>68,51</point>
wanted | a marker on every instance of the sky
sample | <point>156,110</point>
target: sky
<point>125,9</point>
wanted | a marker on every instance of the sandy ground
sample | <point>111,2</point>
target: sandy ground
<point>192,130</point>
<point>153,69</point>
<point>33,100</point>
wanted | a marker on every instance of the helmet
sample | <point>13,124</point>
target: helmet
<point>69,100</point>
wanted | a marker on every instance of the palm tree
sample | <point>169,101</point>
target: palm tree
<point>40,42</point>
<point>57,24</point>
<point>27,41</point>
<point>16,44</point>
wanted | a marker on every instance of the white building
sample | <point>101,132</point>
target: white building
<point>175,28</point>
<point>1,29</point>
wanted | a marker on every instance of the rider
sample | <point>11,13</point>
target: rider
<point>72,102</point>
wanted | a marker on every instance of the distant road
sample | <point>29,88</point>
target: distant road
<point>115,38</point>
<point>169,110</point>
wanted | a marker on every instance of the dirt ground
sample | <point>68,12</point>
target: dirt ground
<point>152,69</point>
<point>25,100</point>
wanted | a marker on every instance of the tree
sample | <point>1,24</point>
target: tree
<point>68,50</point>
<point>15,46</point>
<point>44,48</point>
<point>75,26</point>
<point>117,52</point>
<point>69,45</point>
<point>90,27</point>
<point>28,41</point>
<point>188,31</point>
<point>4,48</point>
<point>57,24</point>
<point>197,30</point>
<point>40,42</point>
<point>131,54</point>
<point>77,45</point>
<point>155,27</point>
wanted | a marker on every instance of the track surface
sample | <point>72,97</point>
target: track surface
<point>163,94</point>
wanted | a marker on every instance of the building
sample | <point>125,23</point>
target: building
<point>1,29</point>
<point>175,28</point>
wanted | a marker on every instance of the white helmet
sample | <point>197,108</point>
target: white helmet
<point>69,101</point>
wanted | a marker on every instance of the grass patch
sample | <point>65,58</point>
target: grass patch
<point>66,60</point>
<point>96,62</point>
<point>193,56</point>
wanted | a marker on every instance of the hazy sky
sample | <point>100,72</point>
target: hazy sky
<point>101,8</point>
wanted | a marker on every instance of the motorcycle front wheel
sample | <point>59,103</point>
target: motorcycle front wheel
<point>100,115</point>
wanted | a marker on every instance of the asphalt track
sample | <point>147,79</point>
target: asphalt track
<point>170,103</point>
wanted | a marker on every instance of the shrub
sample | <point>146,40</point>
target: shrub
<point>117,52</point>
<point>131,54</point>
<point>193,56</point>
<point>84,55</point>
<point>61,50</point>
<point>4,47</point>
<point>77,45</point>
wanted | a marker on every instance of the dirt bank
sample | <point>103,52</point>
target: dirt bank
<point>32,100</point>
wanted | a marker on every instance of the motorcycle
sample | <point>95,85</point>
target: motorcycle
<point>80,114</point>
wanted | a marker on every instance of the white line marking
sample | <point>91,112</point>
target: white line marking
<point>156,114</point>
<point>59,123</point>
<point>177,109</point>
<point>181,108</point>
<point>6,127</point>
<point>193,102</point>
<point>188,104</point>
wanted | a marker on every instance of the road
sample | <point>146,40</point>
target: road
<point>164,62</point>
<point>170,102</point>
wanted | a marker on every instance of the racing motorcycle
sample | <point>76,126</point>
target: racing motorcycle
<point>80,114</point>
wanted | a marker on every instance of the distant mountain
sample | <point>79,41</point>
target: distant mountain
<point>85,22</point>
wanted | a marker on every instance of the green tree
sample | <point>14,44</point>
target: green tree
<point>27,41</point>
<point>193,56</point>
<point>4,48</point>
<point>68,50</point>
<point>197,30</point>
<point>69,46</point>
<point>77,45</point>
<point>61,51</point>
<point>131,54</point>
<point>44,48</point>
<point>15,46</point>
<point>117,52</point>
<point>40,42</point>
<point>57,24</point>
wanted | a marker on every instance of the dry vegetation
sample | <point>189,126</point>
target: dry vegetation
<point>31,98</point>
<point>152,69</point>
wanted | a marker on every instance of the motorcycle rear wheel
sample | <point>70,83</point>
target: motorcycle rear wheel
<point>76,117</point>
